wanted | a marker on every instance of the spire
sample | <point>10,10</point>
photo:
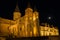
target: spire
<point>17,8</point>
<point>28,5</point>
<point>35,8</point>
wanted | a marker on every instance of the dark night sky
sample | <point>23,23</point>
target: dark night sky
<point>45,8</point>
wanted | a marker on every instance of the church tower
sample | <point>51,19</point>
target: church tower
<point>36,14</point>
<point>16,14</point>
<point>17,17</point>
<point>29,20</point>
<point>36,21</point>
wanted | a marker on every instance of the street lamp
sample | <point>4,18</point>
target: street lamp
<point>49,18</point>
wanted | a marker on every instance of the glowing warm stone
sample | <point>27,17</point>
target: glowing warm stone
<point>42,33</point>
<point>31,33</point>
<point>34,18</point>
<point>35,30</point>
<point>16,15</point>
<point>30,18</point>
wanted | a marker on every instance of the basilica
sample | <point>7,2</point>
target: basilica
<point>26,26</point>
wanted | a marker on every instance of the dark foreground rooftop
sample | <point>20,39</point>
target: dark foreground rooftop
<point>34,38</point>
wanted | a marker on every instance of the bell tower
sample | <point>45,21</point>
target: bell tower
<point>35,14</point>
<point>16,14</point>
<point>36,21</point>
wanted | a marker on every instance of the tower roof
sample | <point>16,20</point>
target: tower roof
<point>28,6</point>
<point>35,9</point>
<point>17,8</point>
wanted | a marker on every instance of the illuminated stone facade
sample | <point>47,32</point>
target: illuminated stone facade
<point>26,26</point>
